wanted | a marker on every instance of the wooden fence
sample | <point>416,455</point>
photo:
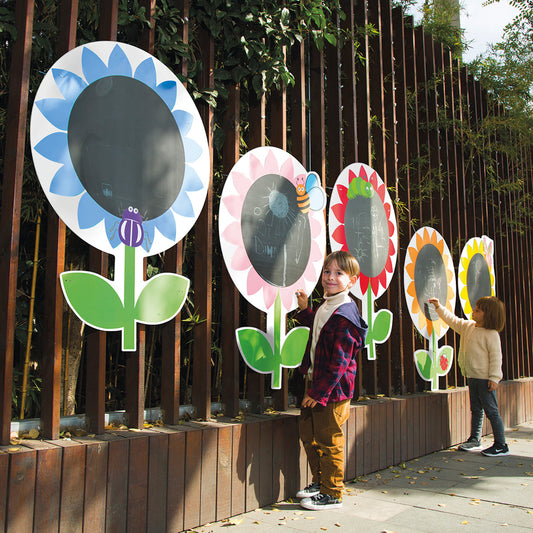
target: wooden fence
<point>405,109</point>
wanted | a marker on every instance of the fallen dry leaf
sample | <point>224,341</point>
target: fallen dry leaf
<point>309,517</point>
<point>464,522</point>
<point>442,505</point>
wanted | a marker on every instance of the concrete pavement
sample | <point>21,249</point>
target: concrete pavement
<point>445,491</point>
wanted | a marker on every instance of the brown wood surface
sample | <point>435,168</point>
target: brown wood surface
<point>176,480</point>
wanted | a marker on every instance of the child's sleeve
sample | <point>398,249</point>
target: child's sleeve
<point>305,317</point>
<point>459,325</point>
<point>494,349</point>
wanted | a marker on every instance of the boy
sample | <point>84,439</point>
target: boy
<point>337,334</point>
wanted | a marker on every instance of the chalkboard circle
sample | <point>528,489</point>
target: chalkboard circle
<point>478,280</point>
<point>126,147</point>
<point>367,233</point>
<point>430,279</point>
<point>276,234</point>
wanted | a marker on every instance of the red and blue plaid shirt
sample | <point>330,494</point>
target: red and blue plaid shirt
<point>334,369</point>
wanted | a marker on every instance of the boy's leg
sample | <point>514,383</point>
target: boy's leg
<point>476,406</point>
<point>307,436</point>
<point>490,405</point>
<point>329,439</point>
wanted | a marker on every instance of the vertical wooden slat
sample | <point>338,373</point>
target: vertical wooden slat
<point>137,485</point>
<point>47,489</point>
<point>72,487</point>
<point>157,482</point>
<point>55,260</point>
<point>253,480</point>
<point>4,473</point>
<point>135,381</point>
<point>350,449</point>
<point>94,513</point>
<point>238,470</point>
<point>208,498</point>
<point>317,115</point>
<point>265,457</point>
<point>359,440</point>
<point>20,492</point>
<point>201,391</point>
<point>230,295</point>
<point>117,485</point>
<point>176,480</point>
<point>17,112</point>
<point>193,487</point>
<point>223,472</point>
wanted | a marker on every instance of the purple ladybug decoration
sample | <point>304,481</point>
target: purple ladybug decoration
<point>131,231</point>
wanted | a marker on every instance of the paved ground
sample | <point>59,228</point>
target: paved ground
<point>445,491</point>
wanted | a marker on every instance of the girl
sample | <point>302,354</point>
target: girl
<point>480,359</point>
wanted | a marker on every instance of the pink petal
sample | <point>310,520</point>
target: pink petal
<point>254,282</point>
<point>287,297</point>
<point>242,182</point>
<point>271,165</point>
<point>233,234</point>
<point>234,205</point>
<point>240,260</point>
<point>315,226</point>
<point>269,294</point>
<point>286,169</point>
<point>256,167</point>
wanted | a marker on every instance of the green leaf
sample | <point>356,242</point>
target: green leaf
<point>161,298</point>
<point>293,347</point>
<point>94,299</point>
<point>255,349</point>
<point>423,363</point>
<point>446,352</point>
<point>382,325</point>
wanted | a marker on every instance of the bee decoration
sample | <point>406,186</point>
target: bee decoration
<point>360,187</point>
<point>130,230</point>
<point>311,195</point>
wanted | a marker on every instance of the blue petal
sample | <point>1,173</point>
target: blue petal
<point>93,67</point>
<point>54,147</point>
<point>66,182</point>
<point>192,150</point>
<point>56,111</point>
<point>183,206</point>
<point>111,229</point>
<point>119,64</point>
<point>146,72</point>
<point>89,212</point>
<point>68,83</point>
<point>168,91</point>
<point>184,121</point>
<point>191,181</point>
<point>149,231</point>
<point>166,225</point>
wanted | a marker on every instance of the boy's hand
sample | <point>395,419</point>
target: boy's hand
<point>492,385</point>
<point>302,299</point>
<point>435,302</point>
<point>308,401</point>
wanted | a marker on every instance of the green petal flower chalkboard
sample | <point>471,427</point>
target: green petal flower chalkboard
<point>429,273</point>
<point>120,151</point>
<point>272,234</point>
<point>362,221</point>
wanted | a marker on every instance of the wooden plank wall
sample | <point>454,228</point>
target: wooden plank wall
<point>177,478</point>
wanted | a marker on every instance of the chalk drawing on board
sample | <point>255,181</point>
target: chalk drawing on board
<point>475,275</point>
<point>362,221</point>
<point>273,239</point>
<point>121,153</point>
<point>429,272</point>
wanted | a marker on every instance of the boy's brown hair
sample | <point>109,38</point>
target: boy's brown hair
<point>346,261</point>
<point>493,312</point>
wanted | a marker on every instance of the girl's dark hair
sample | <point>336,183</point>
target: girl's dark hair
<point>346,261</point>
<point>493,312</point>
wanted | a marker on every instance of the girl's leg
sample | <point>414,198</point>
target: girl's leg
<point>490,405</point>
<point>476,406</point>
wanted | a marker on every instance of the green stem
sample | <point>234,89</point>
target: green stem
<point>434,361</point>
<point>276,377</point>
<point>370,337</point>
<point>128,335</point>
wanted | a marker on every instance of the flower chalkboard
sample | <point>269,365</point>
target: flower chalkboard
<point>119,149</point>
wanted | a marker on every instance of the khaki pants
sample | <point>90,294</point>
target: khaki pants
<point>323,440</point>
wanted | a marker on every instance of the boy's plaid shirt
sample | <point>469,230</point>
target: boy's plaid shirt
<point>335,365</point>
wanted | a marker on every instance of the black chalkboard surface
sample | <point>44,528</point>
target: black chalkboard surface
<point>478,279</point>
<point>126,147</point>
<point>367,233</point>
<point>275,232</point>
<point>430,279</point>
